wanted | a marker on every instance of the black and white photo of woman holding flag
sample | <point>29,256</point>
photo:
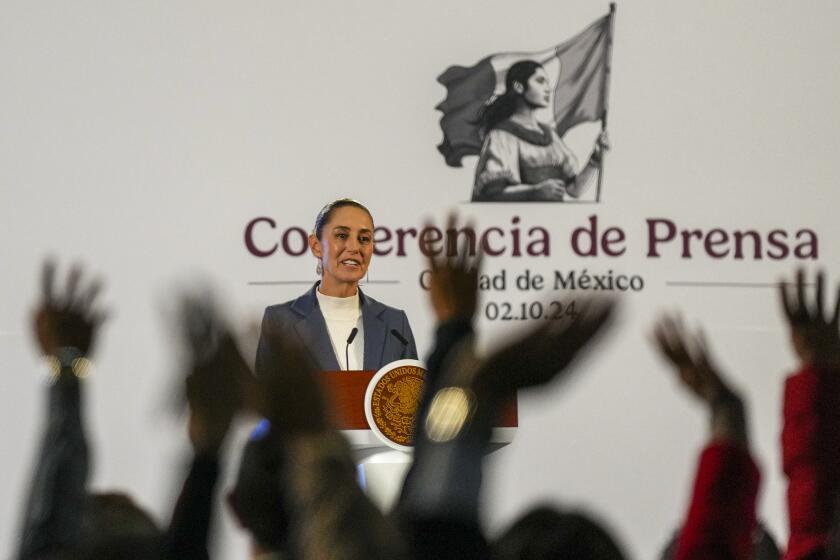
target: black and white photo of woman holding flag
<point>508,110</point>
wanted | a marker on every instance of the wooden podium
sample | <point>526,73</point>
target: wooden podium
<point>345,392</point>
<point>381,468</point>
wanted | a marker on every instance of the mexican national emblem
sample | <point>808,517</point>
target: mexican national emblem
<point>391,402</point>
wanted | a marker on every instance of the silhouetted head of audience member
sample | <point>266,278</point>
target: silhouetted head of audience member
<point>256,499</point>
<point>116,528</point>
<point>547,533</point>
<point>764,545</point>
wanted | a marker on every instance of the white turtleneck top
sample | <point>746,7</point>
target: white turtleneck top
<point>342,314</point>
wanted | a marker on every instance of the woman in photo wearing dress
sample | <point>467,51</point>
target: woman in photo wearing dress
<point>523,159</point>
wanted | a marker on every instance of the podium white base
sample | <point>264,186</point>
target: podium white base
<point>381,476</point>
<point>381,469</point>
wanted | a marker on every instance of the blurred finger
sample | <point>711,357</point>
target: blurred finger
<point>451,219</point>
<point>835,319</point>
<point>200,324</point>
<point>464,256</point>
<point>694,346</point>
<point>676,348</point>
<point>87,297</point>
<point>663,341</point>
<point>48,281</point>
<point>451,251</point>
<point>478,261</point>
<point>672,341</point>
<point>99,317</point>
<point>818,312</point>
<point>73,278</point>
<point>593,317</point>
<point>596,315</point>
<point>801,307</point>
<point>701,344</point>
<point>657,337</point>
<point>433,262</point>
<point>787,304</point>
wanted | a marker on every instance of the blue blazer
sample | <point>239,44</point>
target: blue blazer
<point>303,317</point>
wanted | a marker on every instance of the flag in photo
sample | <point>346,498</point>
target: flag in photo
<point>580,93</point>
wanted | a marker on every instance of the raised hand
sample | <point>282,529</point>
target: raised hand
<point>814,334</point>
<point>542,353</point>
<point>453,282</point>
<point>689,356</point>
<point>292,398</point>
<point>219,383</point>
<point>69,319</point>
<point>476,388</point>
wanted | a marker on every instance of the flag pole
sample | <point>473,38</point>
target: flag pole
<point>606,90</point>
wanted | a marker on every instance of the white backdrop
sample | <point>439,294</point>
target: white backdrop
<point>140,139</point>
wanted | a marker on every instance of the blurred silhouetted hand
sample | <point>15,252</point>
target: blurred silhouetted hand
<point>453,282</point>
<point>219,383</point>
<point>689,356</point>
<point>542,353</point>
<point>532,359</point>
<point>292,398</point>
<point>814,334</point>
<point>70,318</point>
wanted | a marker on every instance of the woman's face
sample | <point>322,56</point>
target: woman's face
<point>538,90</point>
<point>345,248</point>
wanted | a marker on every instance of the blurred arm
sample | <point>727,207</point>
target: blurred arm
<point>65,326</point>
<point>811,456</point>
<point>811,432</point>
<point>189,528</point>
<point>52,523</point>
<point>721,516</point>
<point>335,519</point>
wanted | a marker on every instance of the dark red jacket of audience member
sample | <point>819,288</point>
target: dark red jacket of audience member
<point>721,518</point>
<point>811,457</point>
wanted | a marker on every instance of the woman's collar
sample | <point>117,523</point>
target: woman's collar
<point>541,138</point>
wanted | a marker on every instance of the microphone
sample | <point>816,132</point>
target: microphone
<point>350,338</point>
<point>399,337</point>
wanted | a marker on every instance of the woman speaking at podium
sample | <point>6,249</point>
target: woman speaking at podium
<point>343,328</point>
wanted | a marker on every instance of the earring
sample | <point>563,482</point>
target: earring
<point>319,268</point>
